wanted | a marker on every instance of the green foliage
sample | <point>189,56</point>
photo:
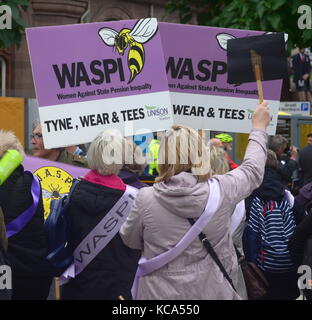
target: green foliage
<point>8,37</point>
<point>262,15</point>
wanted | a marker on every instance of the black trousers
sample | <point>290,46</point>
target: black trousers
<point>282,286</point>
<point>27,288</point>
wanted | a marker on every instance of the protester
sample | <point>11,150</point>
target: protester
<point>159,216</point>
<point>304,198</point>
<point>77,150</point>
<point>220,165</point>
<point>110,273</point>
<point>299,248</point>
<point>216,142</point>
<point>134,166</point>
<point>55,154</point>
<point>32,275</point>
<point>309,139</point>
<point>287,163</point>
<point>302,68</point>
<point>271,222</point>
<point>305,161</point>
<point>227,141</point>
<point>152,154</point>
<point>298,239</point>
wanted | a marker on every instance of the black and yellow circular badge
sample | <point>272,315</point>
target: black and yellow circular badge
<point>55,184</point>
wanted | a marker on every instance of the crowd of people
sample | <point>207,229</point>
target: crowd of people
<point>252,210</point>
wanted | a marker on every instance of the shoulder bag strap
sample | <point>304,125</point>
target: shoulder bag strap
<point>208,246</point>
<point>148,266</point>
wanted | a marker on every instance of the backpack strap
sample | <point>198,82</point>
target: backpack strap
<point>54,255</point>
<point>71,191</point>
<point>289,197</point>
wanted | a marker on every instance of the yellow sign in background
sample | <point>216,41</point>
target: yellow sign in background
<point>12,116</point>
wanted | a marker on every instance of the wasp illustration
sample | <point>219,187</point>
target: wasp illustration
<point>142,32</point>
<point>54,192</point>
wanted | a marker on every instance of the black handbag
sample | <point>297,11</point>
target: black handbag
<point>255,280</point>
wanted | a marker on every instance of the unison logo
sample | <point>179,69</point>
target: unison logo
<point>5,17</point>
<point>305,20</point>
<point>153,111</point>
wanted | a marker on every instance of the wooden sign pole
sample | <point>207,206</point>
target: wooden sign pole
<point>257,67</point>
<point>57,288</point>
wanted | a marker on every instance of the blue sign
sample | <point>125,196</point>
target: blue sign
<point>305,106</point>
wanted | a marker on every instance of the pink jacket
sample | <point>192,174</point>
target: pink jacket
<point>158,220</point>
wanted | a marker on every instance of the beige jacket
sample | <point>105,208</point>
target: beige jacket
<point>158,220</point>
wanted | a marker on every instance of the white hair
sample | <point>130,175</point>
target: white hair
<point>105,154</point>
<point>8,141</point>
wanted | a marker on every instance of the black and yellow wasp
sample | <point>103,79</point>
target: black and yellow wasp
<point>142,32</point>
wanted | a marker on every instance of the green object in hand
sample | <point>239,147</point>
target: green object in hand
<point>9,162</point>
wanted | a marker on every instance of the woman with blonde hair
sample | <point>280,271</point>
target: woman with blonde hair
<point>159,217</point>
<point>218,162</point>
<point>104,266</point>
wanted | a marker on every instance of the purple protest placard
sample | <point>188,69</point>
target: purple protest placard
<point>196,65</point>
<point>95,76</point>
<point>139,76</point>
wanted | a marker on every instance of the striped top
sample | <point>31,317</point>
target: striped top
<point>274,222</point>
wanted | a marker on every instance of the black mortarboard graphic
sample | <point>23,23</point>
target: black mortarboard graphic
<point>271,49</point>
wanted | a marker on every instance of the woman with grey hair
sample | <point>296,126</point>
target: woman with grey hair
<point>110,272</point>
<point>159,216</point>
